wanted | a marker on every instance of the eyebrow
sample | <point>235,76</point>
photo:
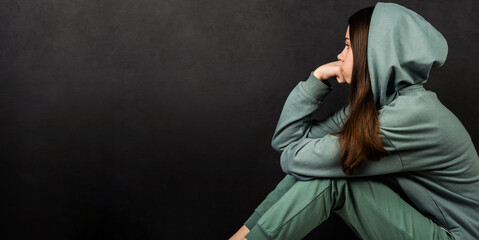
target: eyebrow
<point>346,38</point>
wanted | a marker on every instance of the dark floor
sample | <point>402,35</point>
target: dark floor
<point>324,230</point>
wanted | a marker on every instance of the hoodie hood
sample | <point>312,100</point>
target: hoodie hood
<point>402,49</point>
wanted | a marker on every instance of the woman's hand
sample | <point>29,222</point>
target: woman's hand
<point>329,70</point>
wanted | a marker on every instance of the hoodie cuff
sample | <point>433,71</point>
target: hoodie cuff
<point>316,88</point>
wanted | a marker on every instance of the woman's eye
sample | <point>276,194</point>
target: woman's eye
<point>347,45</point>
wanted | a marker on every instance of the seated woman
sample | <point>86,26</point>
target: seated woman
<point>393,132</point>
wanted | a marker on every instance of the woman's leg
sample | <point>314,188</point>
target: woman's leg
<point>370,208</point>
<point>373,211</point>
<point>282,187</point>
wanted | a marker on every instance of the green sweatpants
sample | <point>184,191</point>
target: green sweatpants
<point>370,208</point>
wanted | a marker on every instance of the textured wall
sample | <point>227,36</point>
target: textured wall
<point>153,119</point>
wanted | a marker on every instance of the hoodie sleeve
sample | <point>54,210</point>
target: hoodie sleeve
<point>295,121</point>
<point>308,150</point>
<point>310,158</point>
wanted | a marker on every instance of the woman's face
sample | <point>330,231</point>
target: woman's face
<point>346,58</point>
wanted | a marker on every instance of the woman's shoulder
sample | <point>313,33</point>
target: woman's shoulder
<point>420,115</point>
<point>414,107</point>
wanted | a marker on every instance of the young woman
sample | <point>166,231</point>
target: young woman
<point>393,134</point>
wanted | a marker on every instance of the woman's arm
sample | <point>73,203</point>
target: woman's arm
<point>307,149</point>
<point>295,121</point>
<point>310,158</point>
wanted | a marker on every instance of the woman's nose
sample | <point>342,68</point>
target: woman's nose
<point>339,57</point>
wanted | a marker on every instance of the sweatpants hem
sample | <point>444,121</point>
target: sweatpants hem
<point>257,233</point>
<point>252,220</point>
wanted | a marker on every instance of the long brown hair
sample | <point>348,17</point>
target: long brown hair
<point>359,137</point>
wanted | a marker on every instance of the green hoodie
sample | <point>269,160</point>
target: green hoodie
<point>431,156</point>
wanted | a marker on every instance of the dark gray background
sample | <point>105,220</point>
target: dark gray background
<point>153,119</point>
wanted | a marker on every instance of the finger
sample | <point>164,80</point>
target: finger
<point>341,78</point>
<point>340,75</point>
